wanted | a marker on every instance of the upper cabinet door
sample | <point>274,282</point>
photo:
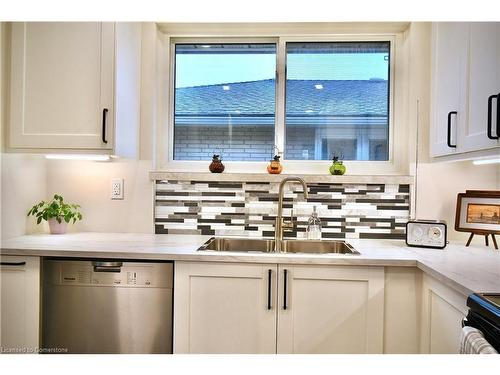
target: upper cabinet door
<point>448,104</point>
<point>484,87</point>
<point>62,79</point>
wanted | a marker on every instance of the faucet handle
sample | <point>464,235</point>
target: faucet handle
<point>292,222</point>
<point>288,224</point>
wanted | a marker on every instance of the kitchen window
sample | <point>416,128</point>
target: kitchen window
<point>337,100</point>
<point>312,99</point>
<point>224,101</point>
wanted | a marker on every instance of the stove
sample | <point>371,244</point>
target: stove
<point>484,314</point>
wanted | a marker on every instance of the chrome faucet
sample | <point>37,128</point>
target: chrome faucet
<point>280,223</point>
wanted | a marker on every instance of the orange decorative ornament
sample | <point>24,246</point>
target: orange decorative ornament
<point>275,166</point>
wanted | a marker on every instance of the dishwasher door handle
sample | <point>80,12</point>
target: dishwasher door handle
<point>107,266</point>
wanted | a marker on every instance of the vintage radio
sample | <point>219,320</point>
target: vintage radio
<point>426,233</point>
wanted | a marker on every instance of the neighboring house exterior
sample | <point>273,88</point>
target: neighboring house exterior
<point>348,117</point>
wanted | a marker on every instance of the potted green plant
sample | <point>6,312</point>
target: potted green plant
<point>57,213</point>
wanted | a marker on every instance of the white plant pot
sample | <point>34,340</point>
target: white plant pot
<point>56,227</point>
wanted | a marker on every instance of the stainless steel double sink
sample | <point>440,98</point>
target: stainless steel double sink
<point>267,246</point>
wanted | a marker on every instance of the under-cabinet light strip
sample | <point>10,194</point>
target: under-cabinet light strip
<point>78,157</point>
<point>486,161</point>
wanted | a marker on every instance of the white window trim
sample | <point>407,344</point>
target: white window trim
<point>398,139</point>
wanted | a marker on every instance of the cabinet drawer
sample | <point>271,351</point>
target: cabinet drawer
<point>20,296</point>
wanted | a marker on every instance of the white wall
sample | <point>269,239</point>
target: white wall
<point>439,184</point>
<point>27,179</point>
<point>128,88</point>
<point>23,184</point>
<point>89,184</point>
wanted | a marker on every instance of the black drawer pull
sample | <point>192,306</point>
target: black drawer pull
<point>104,116</point>
<point>18,264</point>
<point>269,276</point>
<point>490,110</point>
<point>448,136</point>
<point>498,116</point>
<point>285,279</point>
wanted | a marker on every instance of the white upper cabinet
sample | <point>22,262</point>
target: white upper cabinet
<point>465,87</point>
<point>62,82</point>
<point>484,87</point>
<point>448,86</point>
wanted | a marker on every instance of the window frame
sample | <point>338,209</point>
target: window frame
<point>397,82</point>
<point>171,120</point>
<point>337,38</point>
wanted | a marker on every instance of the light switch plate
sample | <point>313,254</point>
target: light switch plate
<point>117,188</point>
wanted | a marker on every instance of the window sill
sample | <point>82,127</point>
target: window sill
<point>265,177</point>
<point>290,167</point>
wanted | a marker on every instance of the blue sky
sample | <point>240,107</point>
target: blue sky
<point>210,69</point>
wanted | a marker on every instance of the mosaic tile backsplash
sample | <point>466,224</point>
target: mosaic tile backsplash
<point>249,208</point>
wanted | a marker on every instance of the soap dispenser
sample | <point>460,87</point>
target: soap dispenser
<point>314,226</point>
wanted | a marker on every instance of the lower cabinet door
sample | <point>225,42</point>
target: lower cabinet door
<point>20,296</point>
<point>442,312</point>
<point>330,309</point>
<point>224,308</point>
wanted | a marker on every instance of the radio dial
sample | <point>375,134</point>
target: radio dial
<point>417,232</point>
<point>435,233</point>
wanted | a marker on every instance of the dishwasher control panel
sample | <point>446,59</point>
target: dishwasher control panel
<point>127,274</point>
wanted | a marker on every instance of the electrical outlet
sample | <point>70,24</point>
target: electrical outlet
<point>117,188</point>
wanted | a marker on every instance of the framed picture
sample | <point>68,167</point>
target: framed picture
<point>478,212</point>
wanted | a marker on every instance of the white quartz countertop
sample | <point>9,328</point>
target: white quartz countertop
<point>466,269</point>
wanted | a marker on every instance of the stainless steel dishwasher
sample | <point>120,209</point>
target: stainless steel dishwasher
<point>96,306</point>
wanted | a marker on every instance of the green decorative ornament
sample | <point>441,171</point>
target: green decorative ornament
<point>337,167</point>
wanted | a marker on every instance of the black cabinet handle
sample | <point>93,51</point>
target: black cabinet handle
<point>12,263</point>
<point>448,136</point>
<point>104,115</point>
<point>490,105</point>
<point>498,115</point>
<point>285,279</point>
<point>269,276</point>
